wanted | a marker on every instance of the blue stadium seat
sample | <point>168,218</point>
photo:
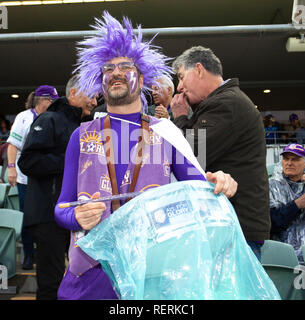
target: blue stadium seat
<point>278,253</point>
<point>10,231</point>
<point>4,189</point>
<point>8,251</point>
<point>12,199</point>
<point>286,281</point>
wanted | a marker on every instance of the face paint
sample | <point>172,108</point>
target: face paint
<point>105,83</point>
<point>132,80</point>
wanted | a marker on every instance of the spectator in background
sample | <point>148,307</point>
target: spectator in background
<point>36,104</point>
<point>271,129</point>
<point>42,160</point>
<point>3,160</point>
<point>162,97</point>
<point>295,125</point>
<point>287,199</point>
<point>4,130</point>
<point>233,132</point>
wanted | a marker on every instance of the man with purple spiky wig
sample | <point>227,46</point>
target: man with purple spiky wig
<point>120,65</point>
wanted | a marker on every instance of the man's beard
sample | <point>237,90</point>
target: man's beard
<point>115,99</point>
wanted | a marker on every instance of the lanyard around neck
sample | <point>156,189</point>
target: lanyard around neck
<point>142,141</point>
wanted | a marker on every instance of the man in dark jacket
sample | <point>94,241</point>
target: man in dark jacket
<point>42,160</point>
<point>234,133</point>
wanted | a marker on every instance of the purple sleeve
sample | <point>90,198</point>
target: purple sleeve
<point>65,217</point>
<point>183,169</point>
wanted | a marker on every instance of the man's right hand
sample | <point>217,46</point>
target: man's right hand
<point>179,105</point>
<point>89,215</point>
<point>300,202</point>
<point>12,176</point>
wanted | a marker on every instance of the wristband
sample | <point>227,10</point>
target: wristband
<point>11,165</point>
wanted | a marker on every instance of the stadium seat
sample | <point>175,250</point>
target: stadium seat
<point>12,199</point>
<point>10,231</point>
<point>8,250</point>
<point>11,219</point>
<point>4,189</point>
<point>278,253</point>
<point>286,281</point>
<point>6,176</point>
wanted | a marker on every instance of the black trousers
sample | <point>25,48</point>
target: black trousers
<point>52,242</point>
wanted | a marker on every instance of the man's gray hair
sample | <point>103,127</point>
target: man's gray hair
<point>205,56</point>
<point>72,84</point>
<point>167,83</point>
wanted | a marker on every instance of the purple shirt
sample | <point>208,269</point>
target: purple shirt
<point>73,287</point>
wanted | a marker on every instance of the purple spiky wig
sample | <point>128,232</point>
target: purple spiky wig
<point>113,40</point>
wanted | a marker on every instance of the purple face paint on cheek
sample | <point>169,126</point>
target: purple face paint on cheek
<point>105,83</point>
<point>132,80</point>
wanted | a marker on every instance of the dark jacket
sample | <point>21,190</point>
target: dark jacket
<point>43,158</point>
<point>99,111</point>
<point>235,144</point>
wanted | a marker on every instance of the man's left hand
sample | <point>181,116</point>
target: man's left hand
<point>224,183</point>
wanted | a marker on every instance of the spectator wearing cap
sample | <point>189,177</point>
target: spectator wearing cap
<point>297,128</point>
<point>42,160</point>
<point>287,199</point>
<point>37,103</point>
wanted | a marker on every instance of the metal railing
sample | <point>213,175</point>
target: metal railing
<point>285,137</point>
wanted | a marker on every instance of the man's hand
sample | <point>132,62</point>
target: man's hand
<point>12,176</point>
<point>224,183</point>
<point>180,106</point>
<point>300,202</point>
<point>89,214</point>
<point>161,112</point>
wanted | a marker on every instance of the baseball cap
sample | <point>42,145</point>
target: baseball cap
<point>293,117</point>
<point>297,149</point>
<point>46,91</point>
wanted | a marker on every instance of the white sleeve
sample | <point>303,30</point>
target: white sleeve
<point>19,130</point>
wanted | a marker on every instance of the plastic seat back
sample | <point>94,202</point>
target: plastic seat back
<point>12,199</point>
<point>12,219</point>
<point>4,188</point>
<point>286,281</point>
<point>6,176</point>
<point>278,253</point>
<point>8,250</point>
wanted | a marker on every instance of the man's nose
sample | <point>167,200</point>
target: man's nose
<point>180,87</point>
<point>116,70</point>
<point>289,162</point>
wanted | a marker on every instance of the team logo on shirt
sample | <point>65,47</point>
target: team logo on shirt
<point>105,184</point>
<point>91,143</point>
